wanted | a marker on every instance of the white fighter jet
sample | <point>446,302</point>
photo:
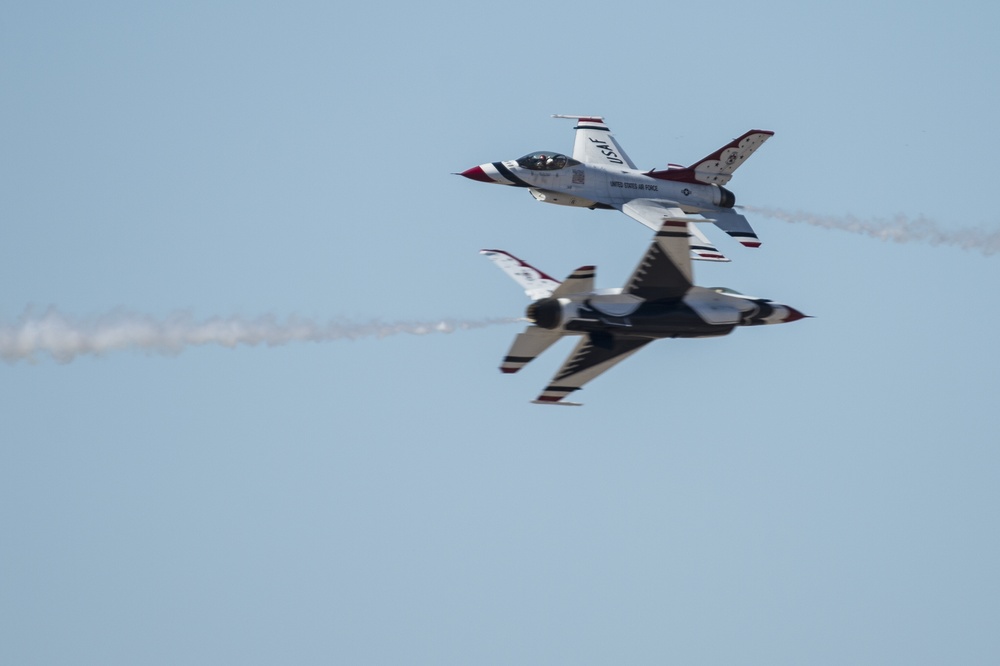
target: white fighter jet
<point>601,175</point>
<point>658,301</point>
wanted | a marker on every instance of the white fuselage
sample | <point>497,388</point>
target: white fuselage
<point>594,185</point>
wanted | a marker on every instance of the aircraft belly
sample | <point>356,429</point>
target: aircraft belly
<point>652,320</point>
<point>681,322</point>
<point>568,198</point>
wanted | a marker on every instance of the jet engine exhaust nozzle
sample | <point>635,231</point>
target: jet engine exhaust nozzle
<point>546,313</point>
<point>726,198</point>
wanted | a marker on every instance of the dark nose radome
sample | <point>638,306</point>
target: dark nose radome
<point>477,173</point>
<point>794,315</point>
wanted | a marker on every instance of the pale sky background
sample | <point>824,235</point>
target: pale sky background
<point>824,492</point>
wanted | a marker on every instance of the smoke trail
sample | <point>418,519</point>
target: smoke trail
<point>900,229</point>
<point>64,337</point>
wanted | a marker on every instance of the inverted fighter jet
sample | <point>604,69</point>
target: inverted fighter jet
<point>601,175</point>
<point>658,301</point>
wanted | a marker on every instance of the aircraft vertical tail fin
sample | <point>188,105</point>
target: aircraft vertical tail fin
<point>718,167</point>
<point>535,283</point>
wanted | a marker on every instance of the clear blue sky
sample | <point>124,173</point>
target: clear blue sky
<point>823,492</point>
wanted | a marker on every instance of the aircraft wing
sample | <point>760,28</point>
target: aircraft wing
<point>665,270</point>
<point>653,213</point>
<point>588,360</point>
<point>595,144</point>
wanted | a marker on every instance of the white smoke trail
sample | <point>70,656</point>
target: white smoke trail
<point>900,229</point>
<point>64,337</point>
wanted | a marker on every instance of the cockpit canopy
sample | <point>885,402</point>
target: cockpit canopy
<point>546,160</point>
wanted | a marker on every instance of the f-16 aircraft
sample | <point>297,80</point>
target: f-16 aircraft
<point>658,301</point>
<point>601,175</point>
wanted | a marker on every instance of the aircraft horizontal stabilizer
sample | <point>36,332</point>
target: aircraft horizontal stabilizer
<point>654,212</point>
<point>701,248</point>
<point>735,225</point>
<point>527,347</point>
<point>580,281</point>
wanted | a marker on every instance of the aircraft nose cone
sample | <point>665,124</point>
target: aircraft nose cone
<point>477,173</point>
<point>793,315</point>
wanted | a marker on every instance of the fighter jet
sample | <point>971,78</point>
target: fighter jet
<point>601,175</point>
<point>658,301</point>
